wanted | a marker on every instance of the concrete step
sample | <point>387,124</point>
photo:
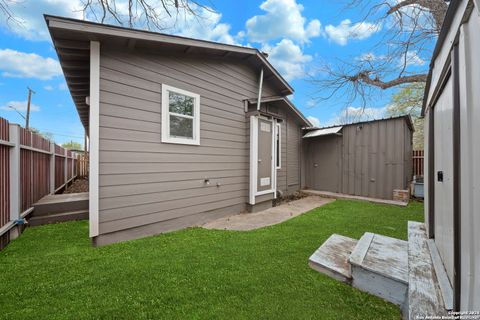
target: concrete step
<point>379,266</point>
<point>58,217</point>
<point>53,204</point>
<point>332,257</point>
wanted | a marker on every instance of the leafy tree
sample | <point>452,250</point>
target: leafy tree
<point>408,100</point>
<point>72,145</point>
<point>47,135</point>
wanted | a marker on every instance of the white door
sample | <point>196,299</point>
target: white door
<point>443,175</point>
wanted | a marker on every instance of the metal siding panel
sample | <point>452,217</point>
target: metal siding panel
<point>444,190</point>
<point>469,45</point>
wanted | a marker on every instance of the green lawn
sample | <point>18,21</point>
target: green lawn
<point>52,272</point>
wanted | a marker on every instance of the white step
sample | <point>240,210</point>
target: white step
<point>332,257</point>
<point>379,266</point>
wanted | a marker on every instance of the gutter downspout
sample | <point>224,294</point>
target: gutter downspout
<point>260,90</point>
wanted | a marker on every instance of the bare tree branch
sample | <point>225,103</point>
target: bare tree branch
<point>363,76</point>
<point>143,13</point>
<point>410,27</point>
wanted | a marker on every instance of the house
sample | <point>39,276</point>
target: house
<point>369,158</point>
<point>452,152</point>
<point>181,131</point>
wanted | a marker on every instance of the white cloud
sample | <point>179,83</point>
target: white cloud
<point>347,31</point>
<point>314,121</point>
<point>62,86</point>
<point>20,106</point>
<point>370,57</point>
<point>356,114</point>
<point>288,59</point>
<point>311,103</point>
<point>48,88</point>
<point>18,64</point>
<point>411,58</point>
<point>206,26</point>
<point>32,26</point>
<point>283,19</point>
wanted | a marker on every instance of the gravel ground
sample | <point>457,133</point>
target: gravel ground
<point>79,185</point>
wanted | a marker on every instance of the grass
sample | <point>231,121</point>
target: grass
<point>52,272</point>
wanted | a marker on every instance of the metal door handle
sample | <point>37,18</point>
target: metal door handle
<point>315,165</point>
<point>259,160</point>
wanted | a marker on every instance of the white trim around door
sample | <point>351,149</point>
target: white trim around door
<point>253,192</point>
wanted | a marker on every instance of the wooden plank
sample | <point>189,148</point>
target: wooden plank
<point>332,257</point>
<point>444,283</point>
<point>424,297</point>
<point>361,248</point>
<point>388,257</point>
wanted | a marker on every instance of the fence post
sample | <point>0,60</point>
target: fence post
<point>15,204</point>
<point>65,152</point>
<point>73,164</point>
<point>52,168</point>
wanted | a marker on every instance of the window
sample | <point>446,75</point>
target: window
<point>180,116</point>
<point>278,146</point>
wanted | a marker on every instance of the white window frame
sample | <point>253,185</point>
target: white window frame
<point>166,138</point>
<point>278,127</point>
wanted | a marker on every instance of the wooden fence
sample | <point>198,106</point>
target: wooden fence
<point>31,167</point>
<point>418,162</point>
<point>82,165</point>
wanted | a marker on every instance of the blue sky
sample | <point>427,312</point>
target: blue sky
<point>299,35</point>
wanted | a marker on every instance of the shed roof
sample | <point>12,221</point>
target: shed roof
<point>407,119</point>
<point>71,38</point>
<point>323,132</point>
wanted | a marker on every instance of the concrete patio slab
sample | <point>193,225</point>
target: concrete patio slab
<point>272,216</point>
<point>334,195</point>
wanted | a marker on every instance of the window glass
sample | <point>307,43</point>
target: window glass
<point>181,104</point>
<point>181,127</point>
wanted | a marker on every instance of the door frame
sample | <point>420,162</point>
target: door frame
<point>253,190</point>
<point>450,69</point>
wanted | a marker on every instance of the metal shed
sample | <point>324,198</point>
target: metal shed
<point>452,152</point>
<point>369,159</point>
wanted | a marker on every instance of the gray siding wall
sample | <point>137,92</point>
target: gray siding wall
<point>375,159</point>
<point>144,181</point>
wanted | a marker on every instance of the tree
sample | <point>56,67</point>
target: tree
<point>6,10</point>
<point>149,14</point>
<point>409,101</point>
<point>47,135</point>
<point>410,28</point>
<point>72,145</point>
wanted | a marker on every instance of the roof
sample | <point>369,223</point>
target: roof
<point>287,103</point>
<point>407,119</point>
<point>71,38</point>
<point>447,23</point>
<point>323,132</point>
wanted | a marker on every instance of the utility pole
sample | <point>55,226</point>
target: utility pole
<point>27,120</point>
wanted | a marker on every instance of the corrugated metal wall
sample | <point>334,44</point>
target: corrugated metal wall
<point>372,160</point>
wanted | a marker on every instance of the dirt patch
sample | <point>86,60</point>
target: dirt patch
<point>79,185</point>
<point>292,197</point>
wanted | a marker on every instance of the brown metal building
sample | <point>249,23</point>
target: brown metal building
<point>369,159</point>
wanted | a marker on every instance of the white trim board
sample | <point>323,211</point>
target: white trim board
<point>253,157</point>
<point>94,127</point>
<point>166,138</point>
<point>253,190</point>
